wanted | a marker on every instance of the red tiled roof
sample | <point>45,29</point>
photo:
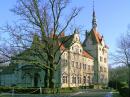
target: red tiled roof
<point>85,54</point>
<point>98,37</point>
<point>62,47</point>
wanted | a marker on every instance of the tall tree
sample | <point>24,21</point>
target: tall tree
<point>46,20</point>
<point>122,55</point>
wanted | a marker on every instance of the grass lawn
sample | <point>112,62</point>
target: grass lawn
<point>116,95</point>
<point>89,93</point>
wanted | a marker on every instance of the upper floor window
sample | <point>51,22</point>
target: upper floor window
<point>76,38</point>
<point>89,67</point>
<point>76,64</point>
<point>80,66</point>
<point>84,66</point>
<point>65,62</point>
<point>72,63</point>
<point>65,55</point>
<point>105,60</point>
<point>100,59</point>
<point>101,69</point>
<point>103,50</point>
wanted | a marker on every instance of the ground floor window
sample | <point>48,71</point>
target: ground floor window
<point>84,79</point>
<point>79,80</point>
<point>65,79</point>
<point>74,79</point>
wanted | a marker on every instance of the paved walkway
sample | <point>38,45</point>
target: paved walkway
<point>83,93</point>
<point>108,94</point>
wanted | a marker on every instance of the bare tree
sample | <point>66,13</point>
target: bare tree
<point>122,55</point>
<point>41,25</point>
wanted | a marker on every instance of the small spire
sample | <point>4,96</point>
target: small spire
<point>76,31</point>
<point>94,24</point>
<point>86,33</point>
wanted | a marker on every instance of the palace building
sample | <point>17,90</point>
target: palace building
<point>82,64</point>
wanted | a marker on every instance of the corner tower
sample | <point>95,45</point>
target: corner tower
<point>94,43</point>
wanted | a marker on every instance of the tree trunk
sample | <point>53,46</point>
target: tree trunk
<point>46,79</point>
<point>51,79</point>
<point>51,72</point>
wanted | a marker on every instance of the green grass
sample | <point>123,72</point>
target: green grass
<point>90,93</point>
<point>116,95</point>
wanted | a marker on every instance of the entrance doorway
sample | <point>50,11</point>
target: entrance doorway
<point>36,79</point>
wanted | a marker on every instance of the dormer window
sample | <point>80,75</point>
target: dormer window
<point>76,38</point>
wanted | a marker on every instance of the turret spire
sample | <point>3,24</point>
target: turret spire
<point>94,24</point>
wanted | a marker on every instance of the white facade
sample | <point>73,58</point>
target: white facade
<point>77,66</point>
<point>95,44</point>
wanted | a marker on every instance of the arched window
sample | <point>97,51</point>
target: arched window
<point>101,69</point>
<point>84,79</point>
<point>64,79</point>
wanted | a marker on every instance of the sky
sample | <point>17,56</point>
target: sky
<point>113,17</point>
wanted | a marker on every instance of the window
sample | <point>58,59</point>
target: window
<point>103,51</point>
<point>66,62</point>
<point>72,63</point>
<point>101,69</point>
<point>84,79</point>
<point>100,59</point>
<point>80,66</point>
<point>74,79</point>
<point>78,79</point>
<point>105,60</point>
<point>84,66</point>
<point>88,67</point>
<point>76,64</point>
<point>64,79</point>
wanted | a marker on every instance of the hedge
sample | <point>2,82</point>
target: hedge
<point>37,90</point>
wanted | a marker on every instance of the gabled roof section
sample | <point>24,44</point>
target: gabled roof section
<point>67,40</point>
<point>86,54</point>
<point>96,36</point>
